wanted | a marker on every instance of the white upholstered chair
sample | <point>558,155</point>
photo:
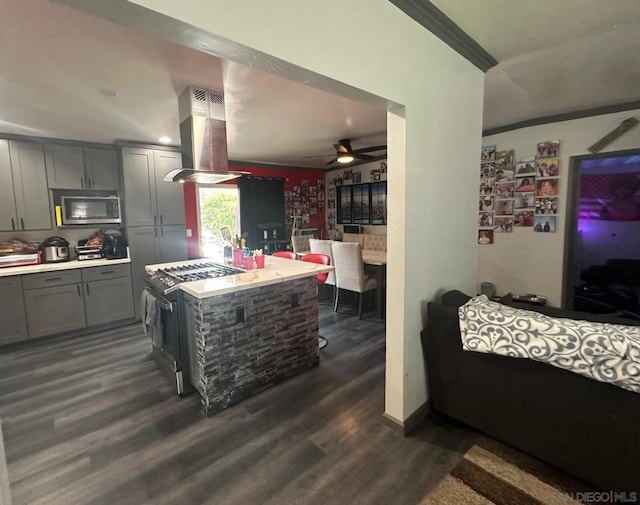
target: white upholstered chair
<point>349,270</point>
<point>323,247</point>
<point>300,244</point>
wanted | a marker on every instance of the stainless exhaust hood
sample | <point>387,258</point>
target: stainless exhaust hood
<point>203,137</point>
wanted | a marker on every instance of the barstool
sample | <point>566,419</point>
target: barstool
<point>321,259</point>
<point>290,255</point>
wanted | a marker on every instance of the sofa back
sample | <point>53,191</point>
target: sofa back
<point>367,241</point>
<point>533,406</point>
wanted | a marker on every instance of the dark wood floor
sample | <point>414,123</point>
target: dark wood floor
<point>93,420</point>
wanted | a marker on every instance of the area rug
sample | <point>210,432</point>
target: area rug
<point>492,473</point>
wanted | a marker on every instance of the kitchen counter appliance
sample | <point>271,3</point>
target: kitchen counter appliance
<point>114,245</point>
<point>88,252</point>
<point>170,346</point>
<point>55,250</point>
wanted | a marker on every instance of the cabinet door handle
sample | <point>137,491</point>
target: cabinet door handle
<point>88,290</point>
<point>161,231</point>
<point>13,224</point>
<point>53,279</point>
<point>78,287</point>
<point>82,182</point>
<point>108,272</point>
<point>160,219</point>
<point>89,182</point>
<point>22,222</point>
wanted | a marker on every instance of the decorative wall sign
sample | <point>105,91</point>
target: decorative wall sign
<point>623,128</point>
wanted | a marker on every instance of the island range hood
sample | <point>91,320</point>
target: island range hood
<point>203,137</point>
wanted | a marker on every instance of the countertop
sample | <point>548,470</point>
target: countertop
<point>275,270</point>
<point>55,267</point>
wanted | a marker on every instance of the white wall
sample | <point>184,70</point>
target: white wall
<point>529,262</point>
<point>434,137</point>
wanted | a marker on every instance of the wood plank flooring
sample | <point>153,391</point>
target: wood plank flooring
<point>93,420</point>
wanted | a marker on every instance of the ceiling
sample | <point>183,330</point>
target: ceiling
<point>66,74</point>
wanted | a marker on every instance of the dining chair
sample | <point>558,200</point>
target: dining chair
<point>300,244</point>
<point>324,247</point>
<point>321,259</point>
<point>349,270</point>
<point>290,255</point>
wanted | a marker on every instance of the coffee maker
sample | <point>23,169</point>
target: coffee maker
<point>114,245</point>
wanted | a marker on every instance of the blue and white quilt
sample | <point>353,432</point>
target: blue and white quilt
<point>604,352</point>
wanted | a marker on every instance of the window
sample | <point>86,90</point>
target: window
<point>217,208</point>
<point>363,203</point>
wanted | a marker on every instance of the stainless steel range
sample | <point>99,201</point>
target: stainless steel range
<point>165,315</point>
<point>168,280</point>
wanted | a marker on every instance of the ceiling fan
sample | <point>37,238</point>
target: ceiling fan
<point>346,154</point>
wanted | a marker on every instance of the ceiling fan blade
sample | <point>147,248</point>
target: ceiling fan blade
<point>335,160</point>
<point>371,149</point>
<point>359,156</point>
<point>319,156</point>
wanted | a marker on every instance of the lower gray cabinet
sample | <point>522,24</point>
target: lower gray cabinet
<point>13,322</point>
<point>108,300</point>
<point>54,310</point>
<point>67,300</point>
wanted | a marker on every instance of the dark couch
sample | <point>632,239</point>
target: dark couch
<point>587,428</point>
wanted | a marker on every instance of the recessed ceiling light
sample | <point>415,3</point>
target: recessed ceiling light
<point>165,140</point>
<point>108,92</point>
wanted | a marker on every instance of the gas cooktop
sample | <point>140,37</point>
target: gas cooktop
<point>167,280</point>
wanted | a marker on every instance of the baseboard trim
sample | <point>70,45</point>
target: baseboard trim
<point>409,424</point>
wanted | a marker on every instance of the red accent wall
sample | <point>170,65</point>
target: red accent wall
<point>292,177</point>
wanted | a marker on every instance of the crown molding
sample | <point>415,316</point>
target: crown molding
<point>566,116</point>
<point>434,20</point>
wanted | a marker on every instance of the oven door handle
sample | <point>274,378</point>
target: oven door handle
<point>164,304</point>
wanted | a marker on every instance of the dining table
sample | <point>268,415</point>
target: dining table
<point>376,261</point>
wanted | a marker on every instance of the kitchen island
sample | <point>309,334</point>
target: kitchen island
<point>249,331</point>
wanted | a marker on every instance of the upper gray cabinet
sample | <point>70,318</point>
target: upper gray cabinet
<point>23,187</point>
<point>101,168</point>
<point>149,201</point>
<point>74,167</point>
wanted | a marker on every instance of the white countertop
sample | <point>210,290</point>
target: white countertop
<point>275,270</point>
<point>54,267</point>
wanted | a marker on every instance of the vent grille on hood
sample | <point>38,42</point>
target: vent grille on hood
<point>203,135</point>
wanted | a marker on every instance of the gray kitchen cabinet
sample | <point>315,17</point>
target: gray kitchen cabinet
<point>154,212</point>
<point>29,181</point>
<point>65,300</point>
<point>149,245</point>
<point>65,166</point>
<point>54,310</point>
<point>75,167</point>
<point>169,195</point>
<point>101,169</point>
<point>149,201</point>
<point>108,300</point>
<point>13,321</point>
<point>8,218</point>
<point>172,243</point>
<point>143,247</point>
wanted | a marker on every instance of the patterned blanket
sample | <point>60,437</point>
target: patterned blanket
<point>604,352</point>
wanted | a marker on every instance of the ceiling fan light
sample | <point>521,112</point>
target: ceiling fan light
<point>345,158</point>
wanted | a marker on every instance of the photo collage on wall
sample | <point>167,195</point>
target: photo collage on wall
<point>520,193</point>
<point>304,201</point>
<point>331,205</point>
<point>547,182</point>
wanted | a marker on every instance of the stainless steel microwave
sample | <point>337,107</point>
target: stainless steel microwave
<point>91,210</point>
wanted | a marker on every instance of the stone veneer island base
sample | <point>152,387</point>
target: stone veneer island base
<point>243,342</point>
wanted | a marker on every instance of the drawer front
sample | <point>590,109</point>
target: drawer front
<point>50,279</point>
<point>106,272</point>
